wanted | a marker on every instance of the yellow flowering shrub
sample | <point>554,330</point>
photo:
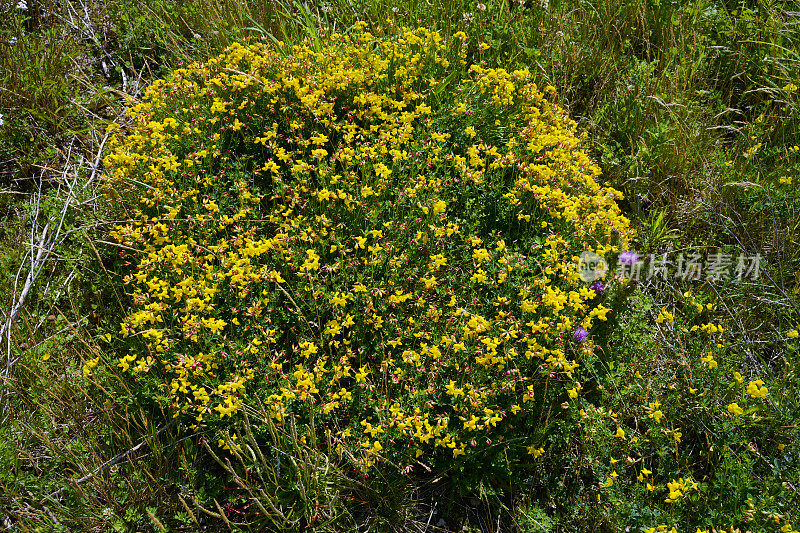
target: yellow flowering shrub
<point>373,235</point>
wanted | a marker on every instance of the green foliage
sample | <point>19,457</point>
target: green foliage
<point>39,98</point>
<point>692,378</point>
<point>374,246</point>
<point>166,33</point>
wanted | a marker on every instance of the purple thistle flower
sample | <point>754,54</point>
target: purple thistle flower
<point>580,334</point>
<point>598,287</point>
<point>628,258</point>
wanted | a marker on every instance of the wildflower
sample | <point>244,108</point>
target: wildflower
<point>439,207</point>
<point>664,316</point>
<point>598,287</point>
<point>573,392</point>
<point>90,365</point>
<point>438,261</point>
<point>735,410</point>
<point>481,255</point>
<point>481,7</point>
<point>308,348</point>
<point>600,312</point>
<point>654,411</point>
<point>709,359</point>
<point>628,258</point>
<point>311,262</point>
<point>534,451</point>
<point>429,282</point>
<point>756,389</point>
<point>479,276</point>
<point>453,390</point>
<point>580,335</point>
<point>471,424</point>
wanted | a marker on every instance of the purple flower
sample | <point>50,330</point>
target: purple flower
<point>598,287</point>
<point>628,258</point>
<point>580,334</point>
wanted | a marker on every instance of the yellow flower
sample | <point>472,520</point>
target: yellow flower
<point>481,255</point>
<point>600,312</point>
<point>452,390</point>
<point>438,261</point>
<point>535,452</point>
<point>654,411</point>
<point>429,282</point>
<point>573,392</point>
<point>479,276</point>
<point>528,396</point>
<point>439,207</point>
<point>734,409</point>
<point>709,359</point>
<point>756,389</point>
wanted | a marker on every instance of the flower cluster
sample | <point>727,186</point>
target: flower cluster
<point>372,233</point>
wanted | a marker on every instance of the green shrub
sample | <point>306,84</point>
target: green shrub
<point>371,236</point>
